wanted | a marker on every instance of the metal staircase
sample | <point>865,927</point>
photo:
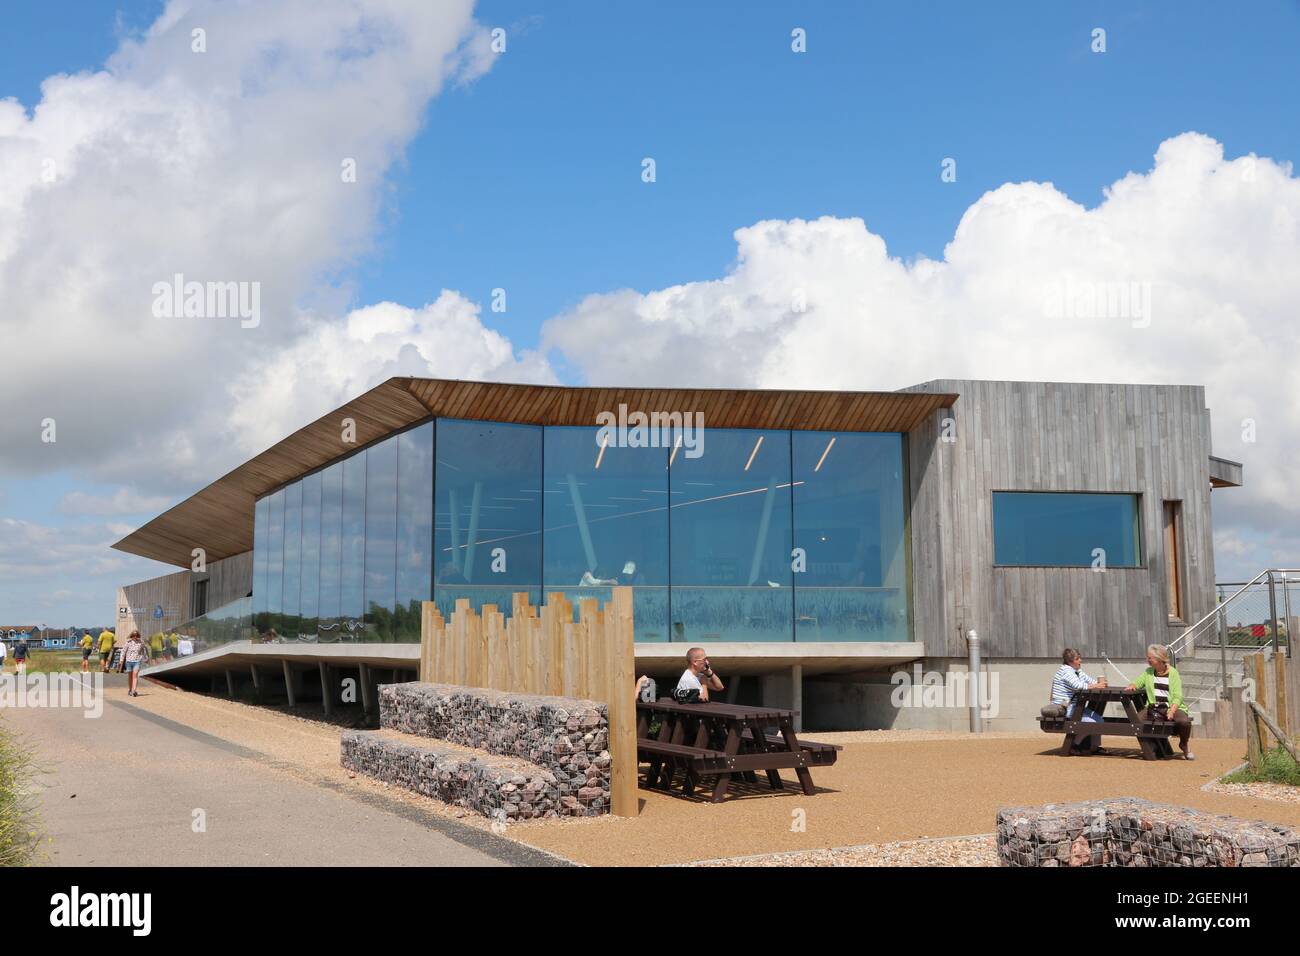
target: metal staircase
<point>1250,618</point>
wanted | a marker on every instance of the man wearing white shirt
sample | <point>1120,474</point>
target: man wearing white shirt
<point>698,676</point>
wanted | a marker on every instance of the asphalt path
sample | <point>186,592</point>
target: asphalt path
<point>132,788</point>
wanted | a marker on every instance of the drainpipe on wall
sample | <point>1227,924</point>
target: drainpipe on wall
<point>973,643</point>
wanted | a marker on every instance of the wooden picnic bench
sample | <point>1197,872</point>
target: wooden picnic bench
<point>725,741</point>
<point>1152,735</point>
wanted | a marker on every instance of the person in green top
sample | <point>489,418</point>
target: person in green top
<point>87,645</point>
<point>1164,690</point>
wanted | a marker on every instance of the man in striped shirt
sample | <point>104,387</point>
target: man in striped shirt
<point>1070,677</point>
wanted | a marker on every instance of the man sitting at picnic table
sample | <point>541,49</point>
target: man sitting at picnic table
<point>1164,690</point>
<point>1071,677</point>
<point>698,678</point>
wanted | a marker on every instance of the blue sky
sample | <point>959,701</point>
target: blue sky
<point>528,178</point>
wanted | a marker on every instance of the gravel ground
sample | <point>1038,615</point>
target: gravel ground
<point>957,851</point>
<point>888,789</point>
<point>1260,791</point>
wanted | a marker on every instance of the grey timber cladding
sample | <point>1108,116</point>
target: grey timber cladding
<point>1150,440</point>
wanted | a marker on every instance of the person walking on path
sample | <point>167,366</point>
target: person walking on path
<point>137,652</point>
<point>87,645</point>
<point>106,640</point>
<point>21,651</point>
<point>4,652</point>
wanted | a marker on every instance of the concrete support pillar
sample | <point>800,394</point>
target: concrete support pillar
<point>288,683</point>
<point>367,692</point>
<point>326,691</point>
<point>733,688</point>
<point>257,681</point>
<point>230,683</point>
<point>796,693</point>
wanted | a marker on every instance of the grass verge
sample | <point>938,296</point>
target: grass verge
<point>20,837</point>
<point>1276,767</point>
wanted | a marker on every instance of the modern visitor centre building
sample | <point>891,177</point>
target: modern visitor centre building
<point>816,543</point>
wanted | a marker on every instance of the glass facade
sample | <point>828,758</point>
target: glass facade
<point>750,535</point>
<point>1063,530</point>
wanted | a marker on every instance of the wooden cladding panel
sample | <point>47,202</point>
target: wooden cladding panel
<point>1149,440</point>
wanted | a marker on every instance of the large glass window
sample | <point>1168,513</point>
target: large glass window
<point>487,513</point>
<point>1058,529</point>
<point>850,524</point>
<point>275,558</point>
<point>731,538</point>
<point>292,558</point>
<point>261,544</point>
<point>310,600</point>
<point>353,541</point>
<point>414,529</point>
<point>749,535</point>
<point>606,523</point>
<point>331,550</point>
<point>381,539</point>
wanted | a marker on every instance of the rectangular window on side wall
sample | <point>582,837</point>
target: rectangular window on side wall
<point>1066,529</point>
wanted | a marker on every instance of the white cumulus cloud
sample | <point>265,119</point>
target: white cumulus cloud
<point>1186,273</point>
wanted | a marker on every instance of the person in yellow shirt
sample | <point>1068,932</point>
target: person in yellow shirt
<point>106,639</point>
<point>87,645</point>
<point>156,644</point>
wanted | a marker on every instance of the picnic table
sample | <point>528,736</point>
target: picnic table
<point>725,741</point>
<point>1152,735</point>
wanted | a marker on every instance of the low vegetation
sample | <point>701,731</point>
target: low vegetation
<point>52,662</point>
<point>20,838</point>
<point>1276,767</point>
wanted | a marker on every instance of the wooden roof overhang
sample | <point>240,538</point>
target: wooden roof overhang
<point>219,518</point>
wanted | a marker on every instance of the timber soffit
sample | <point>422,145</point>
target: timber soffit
<point>219,518</point>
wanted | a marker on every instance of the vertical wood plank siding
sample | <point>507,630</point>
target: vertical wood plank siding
<point>1149,440</point>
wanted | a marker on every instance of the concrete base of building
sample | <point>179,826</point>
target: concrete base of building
<point>934,694</point>
<point>858,686</point>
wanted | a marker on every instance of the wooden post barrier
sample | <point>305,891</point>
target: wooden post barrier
<point>1275,730</point>
<point>549,653</point>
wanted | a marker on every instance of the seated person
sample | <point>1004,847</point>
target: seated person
<point>1164,689</point>
<point>1071,677</point>
<point>697,677</point>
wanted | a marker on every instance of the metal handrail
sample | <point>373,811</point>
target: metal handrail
<point>1178,644</point>
<point>1217,615</point>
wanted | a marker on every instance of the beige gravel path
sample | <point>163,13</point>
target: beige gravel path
<point>888,787</point>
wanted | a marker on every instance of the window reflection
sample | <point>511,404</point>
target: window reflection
<point>310,591</point>
<point>292,558</point>
<point>353,541</point>
<point>1055,529</point>
<point>381,540</point>
<point>351,552</point>
<point>487,513</point>
<point>731,539</point>
<point>849,510</point>
<point>414,529</point>
<point>261,545</point>
<point>331,550</point>
<point>606,523</point>
<point>275,559</point>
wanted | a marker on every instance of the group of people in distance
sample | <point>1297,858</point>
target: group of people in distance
<point>1160,682</point>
